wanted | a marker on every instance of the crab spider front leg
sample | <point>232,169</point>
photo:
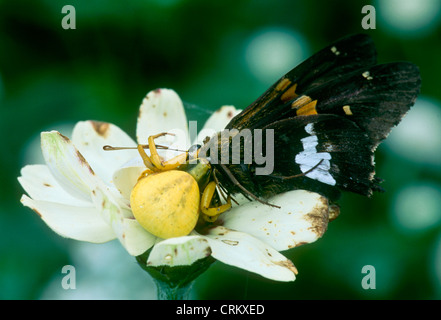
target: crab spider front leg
<point>211,213</point>
<point>171,164</point>
<point>145,158</point>
<point>154,156</point>
<point>154,163</point>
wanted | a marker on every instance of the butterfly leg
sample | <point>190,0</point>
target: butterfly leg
<point>246,192</point>
<point>300,174</point>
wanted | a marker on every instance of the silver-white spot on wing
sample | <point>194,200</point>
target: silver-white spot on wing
<point>309,158</point>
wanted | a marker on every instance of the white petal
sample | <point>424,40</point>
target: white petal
<point>135,162</point>
<point>89,137</point>
<point>79,223</point>
<point>302,218</point>
<point>162,111</point>
<point>217,122</point>
<point>126,178</point>
<point>132,236</point>
<point>68,165</point>
<point>246,252</point>
<point>136,239</point>
<point>39,184</point>
<point>179,251</point>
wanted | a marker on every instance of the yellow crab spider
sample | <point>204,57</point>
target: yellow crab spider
<point>166,200</point>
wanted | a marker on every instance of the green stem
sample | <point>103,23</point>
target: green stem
<point>165,291</point>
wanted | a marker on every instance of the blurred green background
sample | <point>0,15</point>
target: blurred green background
<point>214,53</point>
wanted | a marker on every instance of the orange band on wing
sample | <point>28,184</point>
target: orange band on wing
<point>307,109</point>
<point>304,106</point>
<point>290,93</point>
<point>283,84</point>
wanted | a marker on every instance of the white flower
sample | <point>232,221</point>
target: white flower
<point>83,193</point>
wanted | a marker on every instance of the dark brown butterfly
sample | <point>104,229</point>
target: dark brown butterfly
<point>327,116</point>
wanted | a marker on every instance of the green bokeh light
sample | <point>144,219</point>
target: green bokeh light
<point>418,137</point>
<point>417,207</point>
<point>272,51</point>
<point>409,18</point>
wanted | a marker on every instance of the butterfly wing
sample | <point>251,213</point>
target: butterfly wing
<point>376,98</point>
<point>320,153</point>
<point>337,104</point>
<point>345,55</point>
<point>351,115</point>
